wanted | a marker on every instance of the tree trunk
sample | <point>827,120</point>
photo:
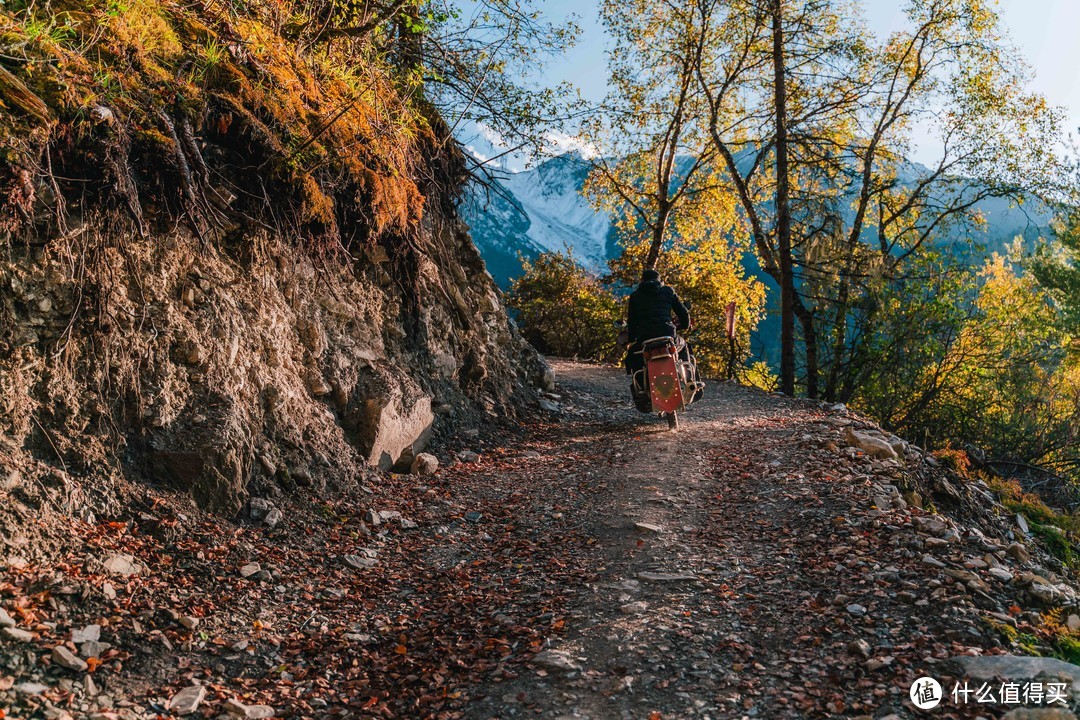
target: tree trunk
<point>783,209</point>
<point>832,385</point>
<point>657,243</point>
<point>408,42</point>
<point>809,330</point>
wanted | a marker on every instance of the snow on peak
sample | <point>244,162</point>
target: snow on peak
<point>560,217</point>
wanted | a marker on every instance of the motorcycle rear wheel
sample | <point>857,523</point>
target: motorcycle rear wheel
<point>673,420</point>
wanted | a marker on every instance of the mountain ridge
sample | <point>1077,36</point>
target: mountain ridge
<point>517,215</point>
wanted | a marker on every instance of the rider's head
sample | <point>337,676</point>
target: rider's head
<point>650,274</point>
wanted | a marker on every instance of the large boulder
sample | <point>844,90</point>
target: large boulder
<point>392,417</point>
<point>874,446</point>
<point>424,464</point>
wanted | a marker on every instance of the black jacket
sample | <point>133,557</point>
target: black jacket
<point>652,306</point>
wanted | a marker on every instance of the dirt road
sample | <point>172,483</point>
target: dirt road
<point>590,565</point>
<point>741,571</point>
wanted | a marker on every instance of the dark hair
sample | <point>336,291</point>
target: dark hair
<point>649,274</point>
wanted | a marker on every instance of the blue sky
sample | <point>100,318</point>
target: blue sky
<point>1044,32</point>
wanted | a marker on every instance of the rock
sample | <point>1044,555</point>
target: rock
<point>648,527</point>
<point>549,406</point>
<point>1017,551</point>
<point>235,707</point>
<point>932,525</point>
<point>268,465</point>
<point>1001,574</point>
<point>875,664</point>
<point>260,508</point>
<point>1015,668</point>
<point>856,609</point>
<point>16,634</point>
<point>547,380</point>
<point>1051,595</point>
<point>190,622</point>
<point>65,658</point>
<point>473,516</point>
<point>665,577</point>
<point>1022,523</point>
<point>102,114</point>
<point>424,464</point>
<point>1038,714</point>
<point>914,499</point>
<point>555,660</point>
<point>392,423</point>
<point>373,518</point>
<point>962,575</point>
<point>302,476</point>
<point>1073,622</point>
<point>873,446</point>
<point>187,700</point>
<point>932,561</point>
<point>445,364</point>
<point>317,385</point>
<point>10,479</point>
<point>87,634</point>
<point>634,608</point>
<point>359,562</point>
<point>30,688</point>
<point>125,565</point>
<point>273,518</point>
<point>1028,578</point>
<point>93,648</point>
<point>250,569</point>
<point>5,620</point>
<point>108,591</point>
<point>468,456</point>
<point>860,648</point>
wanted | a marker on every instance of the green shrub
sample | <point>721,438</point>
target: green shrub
<point>563,310</point>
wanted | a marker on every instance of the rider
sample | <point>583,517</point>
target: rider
<point>652,307</point>
<point>655,311</point>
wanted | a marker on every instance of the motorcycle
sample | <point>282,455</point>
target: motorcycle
<point>666,384</point>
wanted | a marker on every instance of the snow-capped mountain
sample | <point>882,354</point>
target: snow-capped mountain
<point>531,211</point>
<point>536,210</point>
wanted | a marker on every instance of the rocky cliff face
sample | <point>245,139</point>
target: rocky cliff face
<point>245,365</point>
<point>241,280</point>
<point>213,369</point>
